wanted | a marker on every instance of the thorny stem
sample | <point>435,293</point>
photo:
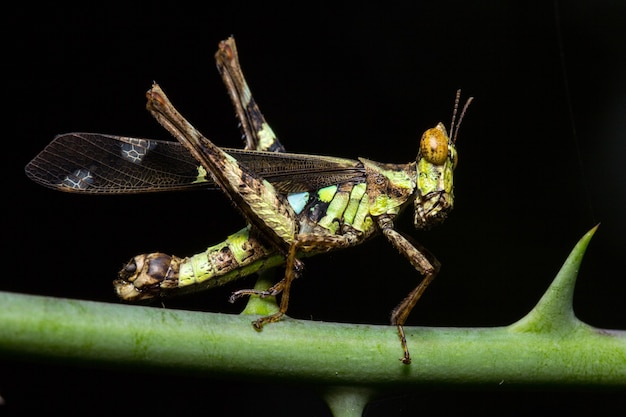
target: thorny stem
<point>548,346</point>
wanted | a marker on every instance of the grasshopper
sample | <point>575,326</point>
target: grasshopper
<point>295,205</point>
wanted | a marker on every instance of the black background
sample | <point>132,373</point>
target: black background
<point>541,156</point>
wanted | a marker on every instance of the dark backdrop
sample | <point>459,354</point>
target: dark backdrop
<point>541,162</point>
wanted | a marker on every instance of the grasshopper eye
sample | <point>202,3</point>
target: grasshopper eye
<point>434,146</point>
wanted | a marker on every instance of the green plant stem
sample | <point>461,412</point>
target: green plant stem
<point>329,353</point>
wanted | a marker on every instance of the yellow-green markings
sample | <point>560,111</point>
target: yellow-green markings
<point>389,204</point>
<point>206,266</point>
<point>202,175</point>
<point>430,176</point>
<point>266,136</point>
<point>200,266</point>
<point>356,214</point>
<point>335,211</point>
<point>327,193</point>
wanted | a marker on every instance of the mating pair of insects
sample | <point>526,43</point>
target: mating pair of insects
<point>295,205</point>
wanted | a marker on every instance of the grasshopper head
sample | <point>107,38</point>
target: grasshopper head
<point>436,161</point>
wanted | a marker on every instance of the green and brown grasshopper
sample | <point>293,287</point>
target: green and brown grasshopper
<point>295,205</point>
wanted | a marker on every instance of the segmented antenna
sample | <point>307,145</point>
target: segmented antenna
<point>454,129</point>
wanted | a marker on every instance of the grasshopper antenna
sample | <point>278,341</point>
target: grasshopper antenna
<point>454,128</point>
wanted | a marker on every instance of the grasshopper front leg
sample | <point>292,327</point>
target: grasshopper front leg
<point>424,262</point>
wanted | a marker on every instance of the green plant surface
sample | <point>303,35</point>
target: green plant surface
<point>547,346</point>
